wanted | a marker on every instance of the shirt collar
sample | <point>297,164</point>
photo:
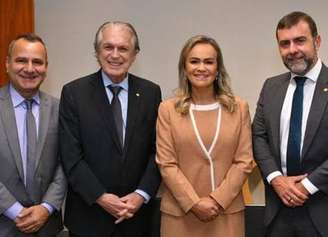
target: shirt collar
<point>107,81</point>
<point>313,74</point>
<point>17,99</point>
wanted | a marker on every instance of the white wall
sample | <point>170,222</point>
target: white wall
<point>245,31</point>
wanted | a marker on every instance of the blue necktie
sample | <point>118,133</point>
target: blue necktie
<point>295,130</point>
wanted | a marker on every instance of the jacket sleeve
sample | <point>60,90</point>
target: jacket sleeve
<point>6,198</point>
<point>261,145</point>
<point>79,175</point>
<point>151,178</point>
<point>167,160</point>
<point>57,189</point>
<point>242,164</point>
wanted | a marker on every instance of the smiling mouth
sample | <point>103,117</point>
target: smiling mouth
<point>201,77</point>
<point>115,64</point>
<point>28,77</point>
<point>295,59</point>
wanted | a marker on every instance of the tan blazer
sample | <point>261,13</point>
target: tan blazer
<point>185,168</point>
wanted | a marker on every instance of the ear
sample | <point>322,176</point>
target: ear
<point>317,42</point>
<point>7,63</point>
<point>135,55</point>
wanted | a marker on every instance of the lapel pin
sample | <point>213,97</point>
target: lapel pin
<point>137,94</point>
<point>325,89</point>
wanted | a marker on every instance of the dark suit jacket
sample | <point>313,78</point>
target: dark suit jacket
<point>95,163</point>
<point>50,180</point>
<point>266,142</point>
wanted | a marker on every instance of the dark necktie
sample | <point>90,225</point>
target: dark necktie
<point>31,146</point>
<point>295,130</point>
<point>117,111</point>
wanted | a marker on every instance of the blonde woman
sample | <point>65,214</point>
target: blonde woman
<point>204,148</point>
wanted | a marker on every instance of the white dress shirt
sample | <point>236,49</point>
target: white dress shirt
<point>309,87</point>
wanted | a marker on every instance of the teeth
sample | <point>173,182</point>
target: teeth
<point>114,64</point>
<point>201,76</point>
<point>29,77</point>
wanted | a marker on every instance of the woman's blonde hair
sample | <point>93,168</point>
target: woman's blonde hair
<point>222,89</point>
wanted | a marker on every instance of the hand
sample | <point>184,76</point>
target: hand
<point>114,205</point>
<point>288,190</point>
<point>301,188</point>
<point>207,209</point>
<point>133,199</point>
<point>31,219</point>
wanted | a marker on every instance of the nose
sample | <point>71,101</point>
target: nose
<point>201,66</point>
<point>29,67</point>
<point>115,53</point>
<point>293,48</point>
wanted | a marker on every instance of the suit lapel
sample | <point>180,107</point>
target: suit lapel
<point>133,110</point>
<point>101,102</point>
<point>278,97</point>
<point>319,103</point>
<point>45,110</point>
<point>9,123</point>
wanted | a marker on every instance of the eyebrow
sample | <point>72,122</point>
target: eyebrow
<point>211,58</point>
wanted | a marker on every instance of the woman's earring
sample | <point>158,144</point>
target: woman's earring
<point>217,78</point>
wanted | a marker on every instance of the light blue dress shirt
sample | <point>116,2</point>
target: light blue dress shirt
<point>20,115</point>
<point>123,97</point>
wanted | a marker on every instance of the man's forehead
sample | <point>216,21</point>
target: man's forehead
<point>118,30</point>
<point>23,44</point>
<point>301,27</point>
<point>118,35</point>
<point>26,49</point>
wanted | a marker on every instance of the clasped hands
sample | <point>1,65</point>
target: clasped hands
<point>121,208</point>
<point>290,190</point>
<point>206,209</point>
<point>31,219</point>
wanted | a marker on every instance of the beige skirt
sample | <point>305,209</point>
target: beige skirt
<point>227,225</point>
